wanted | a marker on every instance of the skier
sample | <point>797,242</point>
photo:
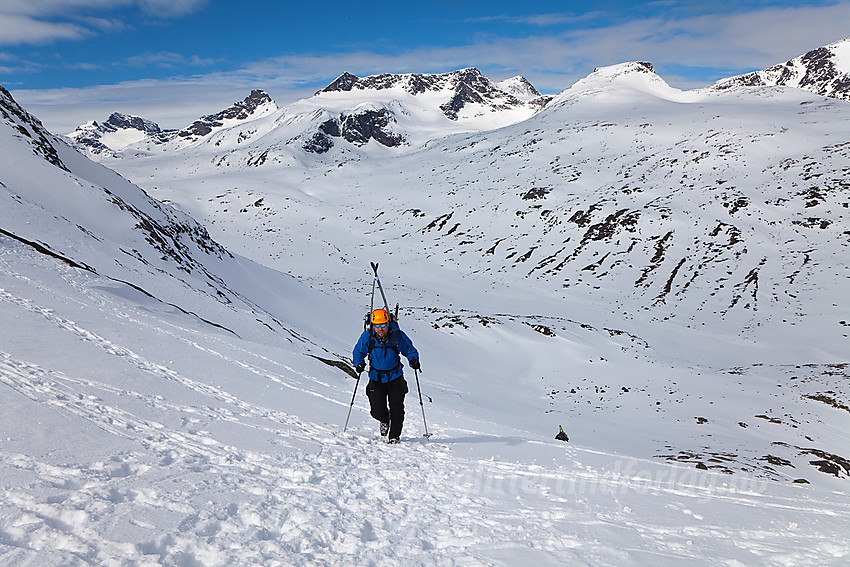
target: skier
<point>382,343</point>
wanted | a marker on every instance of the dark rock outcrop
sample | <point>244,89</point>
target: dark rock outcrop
<point>357,128</point>
<point>29,128</point>
<point>238,111</point>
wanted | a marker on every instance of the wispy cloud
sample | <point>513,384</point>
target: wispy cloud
<point>66,8</point>
<point>17,29</point>
<point>170,8</point>
<point>743,41</point>
<point>84,66</point>
<point>46,21</point>
<point>541,20</point>
<point>108,25</point>
<point>13,65</point>
<point>168,60</point>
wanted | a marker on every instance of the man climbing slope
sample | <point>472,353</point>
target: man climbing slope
<point>382,343</point>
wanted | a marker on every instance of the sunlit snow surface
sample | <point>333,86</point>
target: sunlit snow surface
<point>169,409</point>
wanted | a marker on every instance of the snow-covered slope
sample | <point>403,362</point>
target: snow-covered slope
<point>825,71</point>
<point>634,263</point>
<point>88,216</point>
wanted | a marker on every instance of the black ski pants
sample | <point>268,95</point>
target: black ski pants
<point>392,393</point>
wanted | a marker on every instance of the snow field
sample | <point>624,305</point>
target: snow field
<point>134,462</point>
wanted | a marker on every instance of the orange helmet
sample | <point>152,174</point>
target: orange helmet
<point>380,316</point>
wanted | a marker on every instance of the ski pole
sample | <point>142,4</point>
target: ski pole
<point>421,405</point>
<point>356,383</point>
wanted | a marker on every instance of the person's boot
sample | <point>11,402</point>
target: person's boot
<point>385,428</point>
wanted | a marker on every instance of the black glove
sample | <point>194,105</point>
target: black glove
<point>360,367</point>
<point>414,364</point>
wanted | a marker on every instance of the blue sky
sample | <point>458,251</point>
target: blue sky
<point>68,61</point>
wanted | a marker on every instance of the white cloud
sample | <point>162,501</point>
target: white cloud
<point>45,21</point>
<point>64,8</point>
<point>542,20</point>
<point>730,44</point>
<point>166,59</point>
<point>170,8</point>
<point>17,29</point>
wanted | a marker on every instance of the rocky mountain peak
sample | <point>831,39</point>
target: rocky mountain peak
<point>469,79</point>
<point>344,82</point>
<point>519,87</point>
<point>824,71</point>
<point>118,121</point>
<point>624,69</point>
<point>258,99</point>
<point>114,133</point>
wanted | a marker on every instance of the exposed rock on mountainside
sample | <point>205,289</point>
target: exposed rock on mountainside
<point>357,128</point>
<point>30,128</point>
<point>825,71</point>
<point>239,111</point>
<point>118,121</point>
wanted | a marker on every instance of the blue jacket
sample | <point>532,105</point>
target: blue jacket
<point>385,363</point>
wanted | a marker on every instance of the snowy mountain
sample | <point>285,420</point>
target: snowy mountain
<point>411,109</point>
<point>395,111</point>
<point>520,88</point>
<point>465,87</point>
<point>121,131</point>
<point>825,71</point>
<point>116,133</point>
<point>661,273</point>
